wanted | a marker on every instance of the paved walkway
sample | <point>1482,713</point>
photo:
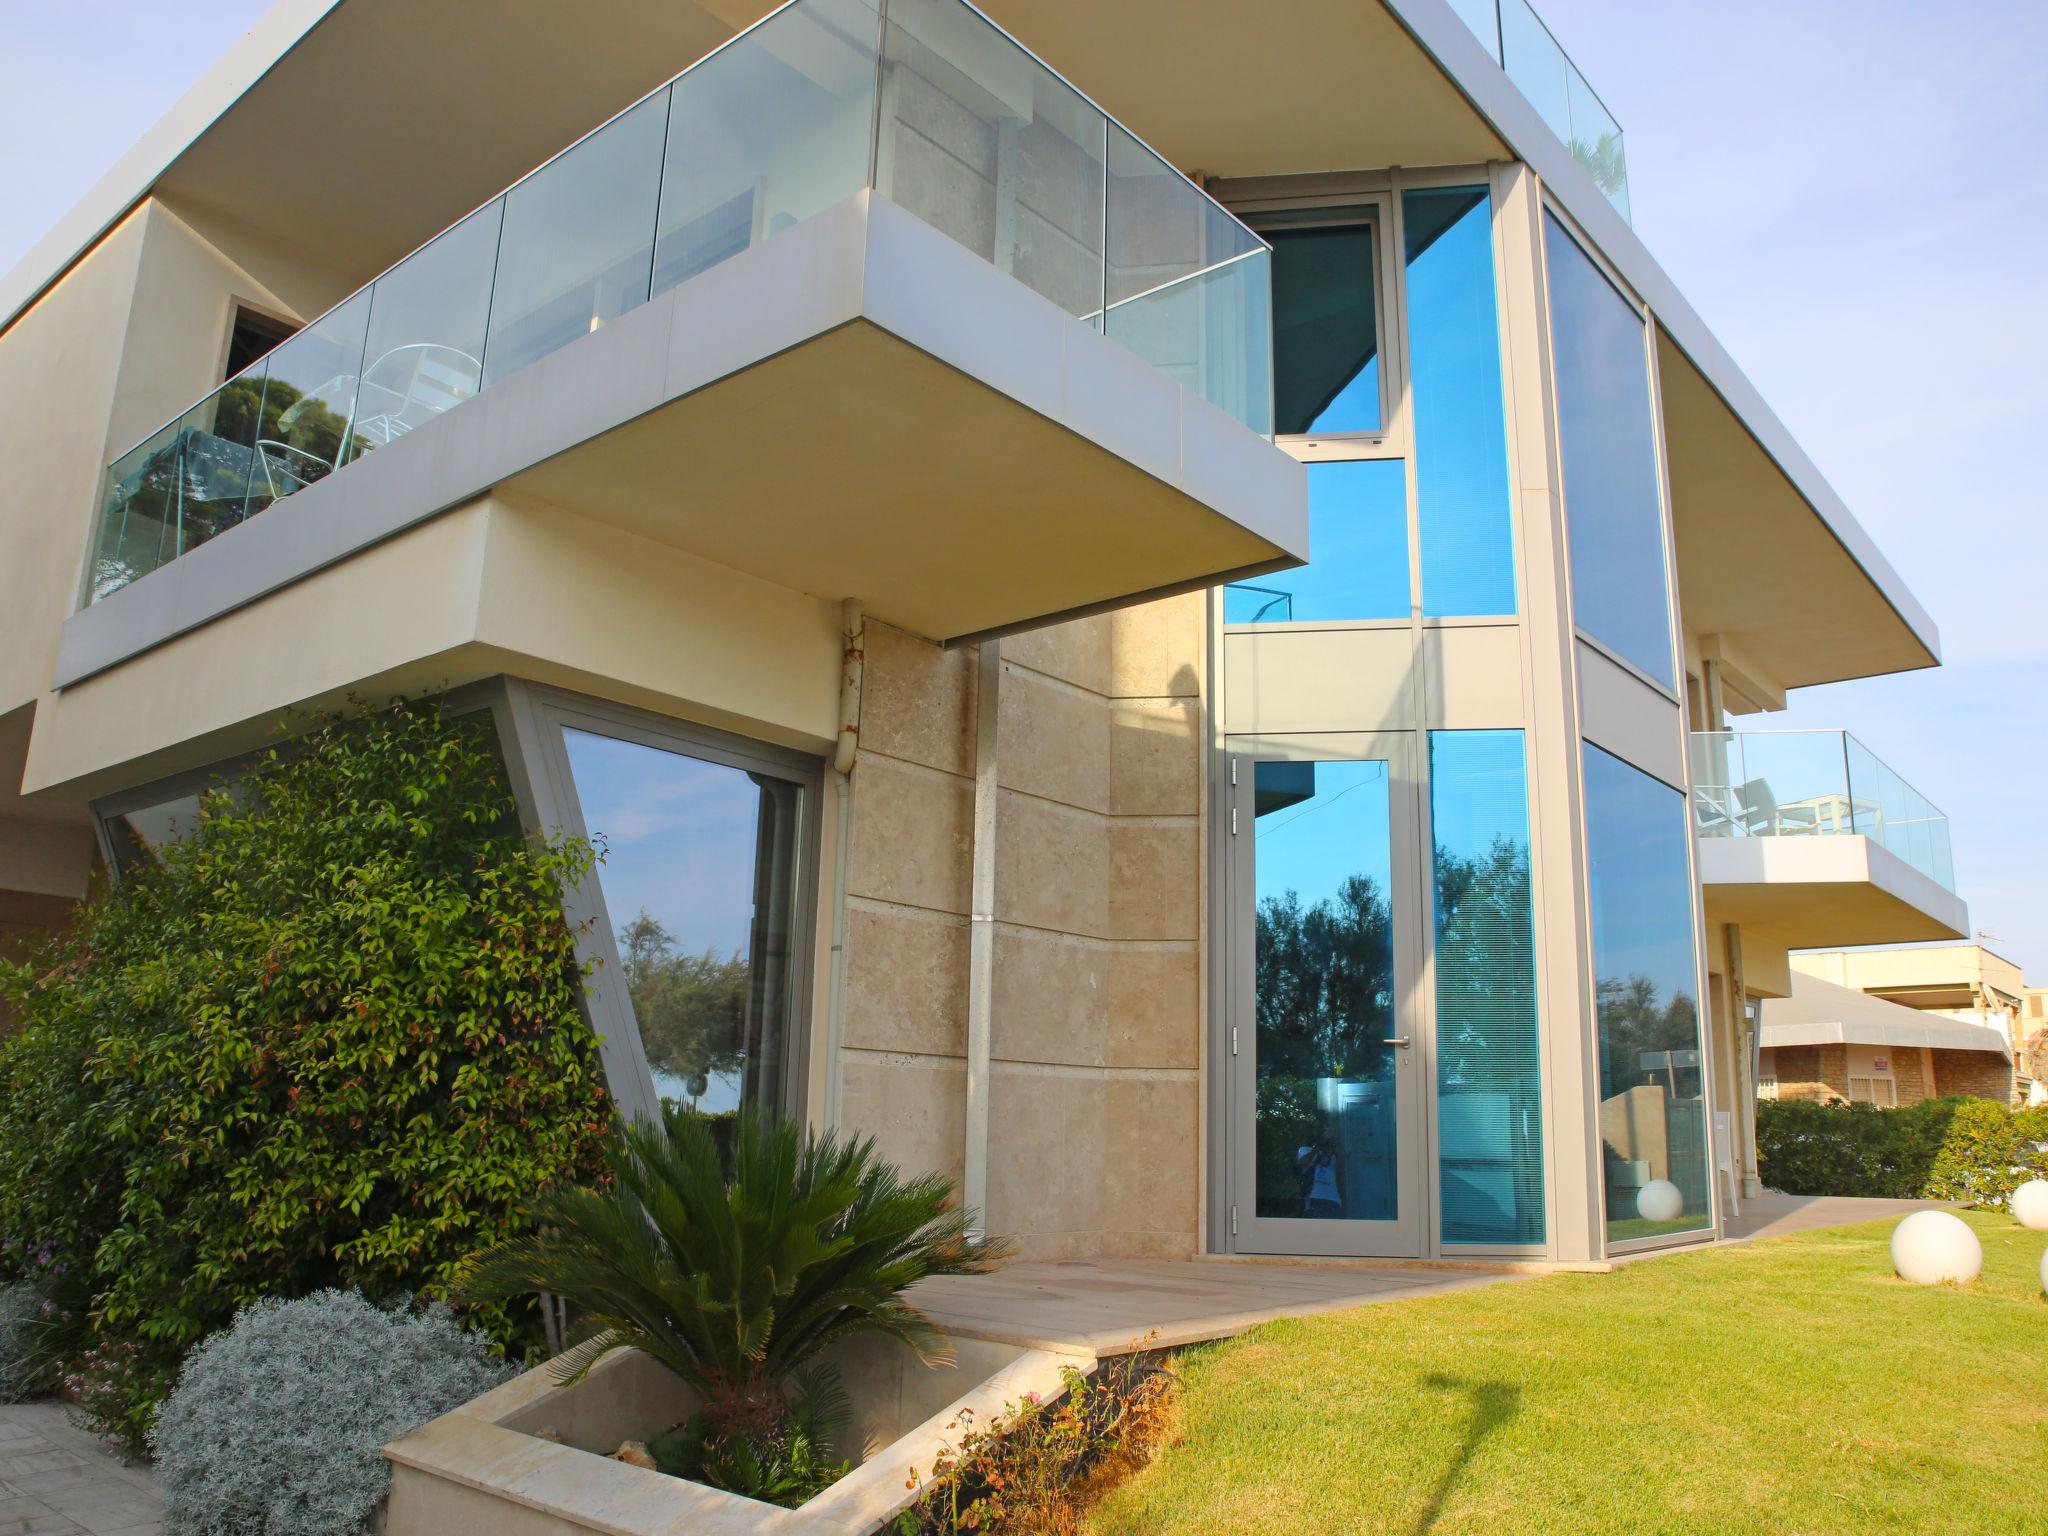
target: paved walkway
<point>1774,1215</point>
<point>57,1480</point>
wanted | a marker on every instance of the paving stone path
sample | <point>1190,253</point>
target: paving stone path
<point>57,1480</point>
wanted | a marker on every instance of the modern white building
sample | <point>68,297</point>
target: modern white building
<point>1170,584</point>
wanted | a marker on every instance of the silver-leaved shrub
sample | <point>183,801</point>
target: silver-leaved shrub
<point>275,1425</point>
<point>21,1308</point>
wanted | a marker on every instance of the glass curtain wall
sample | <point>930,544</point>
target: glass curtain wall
<point>1326,339</point>
<point>1489,1086</point>
<point>1465,528</point>
<point>699,878</point>
<point>1614,513</point>
<point>1653,1113</point>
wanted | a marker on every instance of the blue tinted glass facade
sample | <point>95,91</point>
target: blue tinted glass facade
<point>1461,444</point>
<point>1620,594</point>
<point>1358,546</point>
<point>1489,1092</point>
<point>1653,1113</point>
<point>1326,341</point>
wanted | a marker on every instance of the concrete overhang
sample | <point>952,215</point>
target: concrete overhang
<point>1824,892</point>
<point>859,408</point>
<point>1820,1013</point>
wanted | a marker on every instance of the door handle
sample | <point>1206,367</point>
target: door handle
<point>1400,1040</point>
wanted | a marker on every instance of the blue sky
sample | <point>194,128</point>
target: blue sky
<point>1849,193</point>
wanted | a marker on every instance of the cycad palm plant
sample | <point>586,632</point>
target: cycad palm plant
<point>736,1276</point>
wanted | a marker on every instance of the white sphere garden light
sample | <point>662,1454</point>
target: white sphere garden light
<point>1660,1200</point>
<point>1929,1247</point>
<point>2030,1205</point>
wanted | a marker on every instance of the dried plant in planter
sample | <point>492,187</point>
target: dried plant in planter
<point>1039,1468</point>
<point>738,1269</point>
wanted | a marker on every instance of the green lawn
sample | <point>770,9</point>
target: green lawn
<point>1786,1386</point>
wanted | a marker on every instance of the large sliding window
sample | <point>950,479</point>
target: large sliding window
<point>703,850</point>
<point>1653,1114</point>
<point>1454,383</point>
<point>1488,1080</point>
<point>1621,594</point>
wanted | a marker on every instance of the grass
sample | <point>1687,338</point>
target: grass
<point>1786,1386</point>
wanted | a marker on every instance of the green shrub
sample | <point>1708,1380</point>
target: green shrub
<point>1804,1148</point>
<point>1989,1152</point>
<point>1973,1150</point>
<point>329,1038</point>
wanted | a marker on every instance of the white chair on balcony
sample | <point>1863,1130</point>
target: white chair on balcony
<point>409,386</point>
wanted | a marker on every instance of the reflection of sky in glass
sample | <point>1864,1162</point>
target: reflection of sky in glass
<point>1461,448</point>
<point>1358,543</point>
<point>679,835</point>
<point>1313,846</point>
<point>1641,889</point>
<point>1478,791</point>
<point>1612,507</point>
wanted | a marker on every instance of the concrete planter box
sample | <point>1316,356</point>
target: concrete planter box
<point>484,1467</point>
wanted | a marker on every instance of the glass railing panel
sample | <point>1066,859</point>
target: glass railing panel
<point>982,141</point>
<point>1781,784</point>
<point>1595,139</point>
<point>1189,288</point>
<point>577,248</point>
<point>218,468</point>
<point>969,132</point>
<point>1814,783</point>
<point>308,401</point>
<point>428,316</point>
<point>1484,20</point>
<point>772,129</point>
<point>1537,65</point>
<point>139,512</point>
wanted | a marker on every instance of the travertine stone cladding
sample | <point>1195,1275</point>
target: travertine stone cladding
<point>1094,1091</point>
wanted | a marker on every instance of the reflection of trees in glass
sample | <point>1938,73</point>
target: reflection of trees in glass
<point>1602,160</point>
<point>1634,1022</point>
<point>1485,959</point>
<point>1325,1000</point>
<point>691,1009</point>
<point>1325,981</point>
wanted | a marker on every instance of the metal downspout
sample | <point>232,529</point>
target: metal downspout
<point>852,674</point>
<point>981,941</point>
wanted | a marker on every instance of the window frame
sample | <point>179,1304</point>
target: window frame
<point>536,716</point>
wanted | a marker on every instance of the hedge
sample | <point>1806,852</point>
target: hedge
<point>1970,1150</point>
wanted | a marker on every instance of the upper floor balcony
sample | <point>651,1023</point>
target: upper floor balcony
<point>1518,40</point>
<point>1810,835</point>
<point>868,302</point>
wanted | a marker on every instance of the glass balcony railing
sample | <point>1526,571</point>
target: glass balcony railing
<point>1523,46</point>
<point>1814,784</point>
<point>927,101</point>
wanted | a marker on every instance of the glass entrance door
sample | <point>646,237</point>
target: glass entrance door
<point>1324,1066</point>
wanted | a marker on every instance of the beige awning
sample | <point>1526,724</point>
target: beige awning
<point>1821,1013</point>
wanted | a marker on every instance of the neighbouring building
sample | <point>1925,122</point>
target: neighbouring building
<point>1967,983</point>
<point>1835,1044</point>
<point>1157,592</point>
